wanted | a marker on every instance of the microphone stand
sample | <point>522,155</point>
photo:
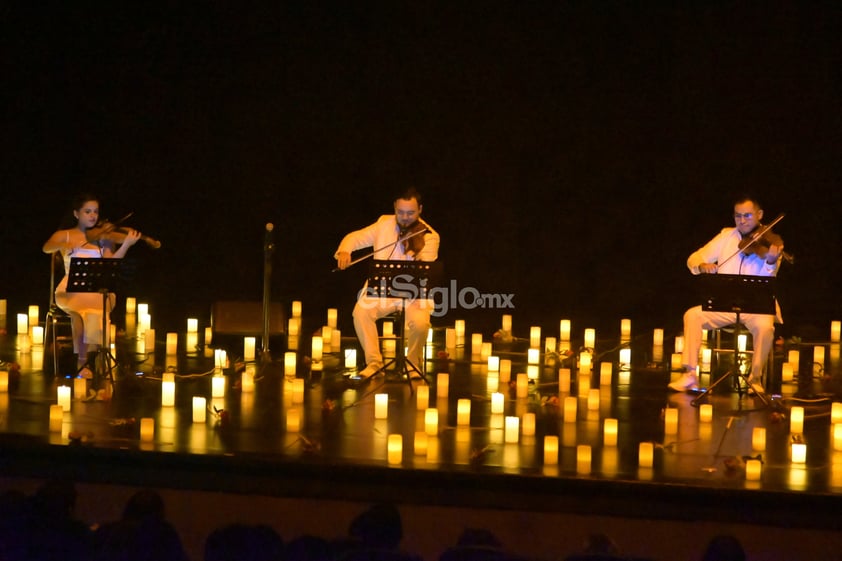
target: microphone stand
<point>268,249</point>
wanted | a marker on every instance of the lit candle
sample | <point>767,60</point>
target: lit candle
<point>676,361</point>
<point>293,419</point>
<point>742,342</point>
<point>38,335</point>
<point>486,350</point>
<point>192,325</point>
<point>658,337</point>
<point>609,432</point>
<point>200,409</point>
<point>33,315</point>
<point>208,335</point>
<point>535,336</point>
<point>753,470</point>
<point>507,323</point>
<point>786,372</point>
<point>593,399</point>
<point>625,329</point>
<point>564,330</point>
<point>247,381</point>
<point>818,355</point>
<point>131,305</point>
<point>290,364</point>
<point>606,369</point>
<point>528,424</point>
<point>522,388</point>
<point>381,406</point>
<point>707,354</point>
<point>421,443</point>
<point>835,330</point>
<point>422,397</point>
<point>493,363</point>
<point>450,338</point>
<point>394,446</point>
<point>497,403</point>
<point>336,340</point>
<point>332,315</point>
<point>836,412</point>
<point>625,359</point>
<point>670,420</point>
<point>583,459</point>
<point>4,381</point>
<point>511,432</point>
<point>294,326</point>
<point>533,356</point>
<point>431,421</point>
<point>837,436</point>
<point>350,358</point>
<point>646,454</point>
<point>317,347</point>
<point>532,371</point>
<point>172,343</point>
<point>23,324</point>
<point>706,413</point>
<point>56,418</point>
<point>564,380</point>
<point>794,356</point>
<point>796,419</point>
<point>463,412</point>
<point>799,453</point>
<point>149,340</point>
<point>80,388</point>
<point>142,308</point>
<point>296,309</point>
<point>249,344</point>
<point>168,389</point>
<point>147,429</point>
<point>459,326</point>
<point>476,343</point>
<point>64,397</point>
<point>442,383</point>
<point>550,450</point>
<point>298,390</point>
<point>571,405</point>
<point>583,383</point>
<point>218,386</point>
<point>585,362</point>
<point>327,339</point>
<point>758,438</point>
<point>590,338</point>
<point>679,344</point>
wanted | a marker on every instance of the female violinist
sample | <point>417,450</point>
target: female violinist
<point>85,309</point>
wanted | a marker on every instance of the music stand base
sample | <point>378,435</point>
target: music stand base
<point>744,377</point>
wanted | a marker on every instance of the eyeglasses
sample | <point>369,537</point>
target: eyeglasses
<point>746,215</point>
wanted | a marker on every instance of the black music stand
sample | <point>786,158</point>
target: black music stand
<point>100,274</point>
<point>737,294</point>
<point>404,280</point>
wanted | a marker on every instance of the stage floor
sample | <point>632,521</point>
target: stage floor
<point>314,434</point>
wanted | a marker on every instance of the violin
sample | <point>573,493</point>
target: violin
<point>412,238</point>
<point>105,230</point>
<point>760,240</point>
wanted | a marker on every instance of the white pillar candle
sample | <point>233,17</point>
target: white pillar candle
<point>593,399</point>
<point>394,447</point>
<point>463,412</point>
<point>56,418</point>
<point>742,342</point>
<point>679,344</point>
<point>293,419</point>
<point>249,344</point>
<point>33,315</point>
<point>550,450</point>
<point>147,429</point>
<point>535,336</point>
<point>837,436</point>
<point>450,338</point>
<point>528,424</point>
<point>63,397</point>
<point>512,429</point>
<point>799,453</point>
<point>23,324</point>
<point>706,413</point>
<point>422,397</point>
<point>796,419</point>
<point>142,309</point>
<point>290,364</point>
<point>625,329</point>
<point>442,383</point>
<point>646,454</point>
<point>707,354</point>
<point>80,386</point>
<point>459,326</point>
<point>172,343</point>
<point>350,358</point>
<point>131,305</point>
<point>670,420</point>
<point>606,370</point>
<point>381,406</point>
<point>497,403</point>
<point>317,348</point>
<point>564,330</point>
<point>247,381</point>
<point>786,372</point>
<point>532,371</point>
<point>571,405</point>
<point>296,308</point>
<point>327,339</point>
<point>294,326</point>
<point>431,421</point>
<point>609,432</point>
<point>200,409</point>
<point>625,359</point>
<point>590,338</point>
<point>583,383</point>
<point>507,323</point>
<point>794,356</point>
<point>550,345</point>
<point>218,386</point>
<point>298,390</point>
<point>658,337</point>
<point>753,469</point>
<point>332,317</point>
<point>420,444</point>
<point>4,381</point>
<point>38,335</point>
<point>758,438</point>
<point>485,352</point>
<point>564,380</point>
<point>149,340</point>
<point>835,330</point>
<point>476,343</point>
<point>583,459</point>
<point>533,355</point>
<point>494,363</point>
<point>836,412</point>
<point>676,361</point>
<point>208,335</point>
<point>522,385</point>
<point>336,340</point>
<point>168,389</point>
<point>192,325</point>
<point>818,355</point>
<point>585,362</point>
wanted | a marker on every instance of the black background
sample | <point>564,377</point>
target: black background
<point>571,153</point>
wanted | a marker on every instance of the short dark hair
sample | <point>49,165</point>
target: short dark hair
<point>408,194</point>
<point>747,198</point>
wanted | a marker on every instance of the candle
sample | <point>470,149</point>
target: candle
<point>658,337</point>
<point>670,420</point>
<point>249,344</point>
<point>172,343</point>
<point>296,309</point>
<point>583,383</point>
<point>431,421</point>
<point>564,380</point>
<point>459,326</point>
<point>421,443</point>
<point>753,470</point>
<point>583,459</point>
<point>200,409</point>
<point>485,352</point>
<point>593,399</point>
<point>606,369</point>
<point>787,372</point>
<point>38,335</point>
<point>332,315</point>
<point>818,355</point>
<point>476,343</point>
<point>192,325</point>
<point>532,371</point>
<point>590,338</point>
<point>533,356</point>
<point>381,406</point>
<point>837,436</point>
<point>646,454</point>
<point>799,453</point>
<point>247,381</point>
<point>422,397</point>
<point>679,344</point>
<point>294,326</point>
<point>168,389</point>
<point>218,386</point>
<point>56,418</point>
<point>293,418</point>
<point>796,419</point>
<point>707,354</point>
<point>507,323</point>
<point>625,329</point>
<point>149,340</point>
<point>706,413</point>
<point>23,324</point>
<point>63,397</point>
<point>298,390</point>
<point>142,309</point>
<point>836,412</point>
<point>512,427</point>
<point>317,347</point>
<point>625,359</point>
<point>463,412</point>
<point>220,358</point>
<point>147,429</point>
<point>350,358</point>
<point>494,363</point>
<point>758,438</point>
<point>4,381</point>
<point>609,432</point>
<point>336,340</point>
<point>676,362</point>
<point>80,386</point>
<point>835,330</point>
<point>528,424</point>
<point>564,330</point>
<point>442,383</point>
<point>33,315</point>
<point>327,339</point>
<point>394,446</point>
<point>585,362</point>
<point>497,403</point>
<point>550,450</point>
<point>450,338</point>
<point>794,356</point>
<point>522,388</point>
<point>571,405</point>
<point>535,336</point>
<point>290,364</point>
<point>131,305</point>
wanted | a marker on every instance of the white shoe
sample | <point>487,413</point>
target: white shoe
<point>370,370</point>
<point>687,382</point>
<point>755,387</point>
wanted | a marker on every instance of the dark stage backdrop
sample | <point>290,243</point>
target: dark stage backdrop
<point>570,153</point>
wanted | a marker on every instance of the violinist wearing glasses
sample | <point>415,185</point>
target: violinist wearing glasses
<point>87,239</point>
<point>402,236</point>
<point>748,248</point>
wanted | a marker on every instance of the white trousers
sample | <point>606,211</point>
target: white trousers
<point>761,327</point>
<point>417,315</point>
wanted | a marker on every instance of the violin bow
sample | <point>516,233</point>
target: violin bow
<point>758,236</point>
<point>387,246</point>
